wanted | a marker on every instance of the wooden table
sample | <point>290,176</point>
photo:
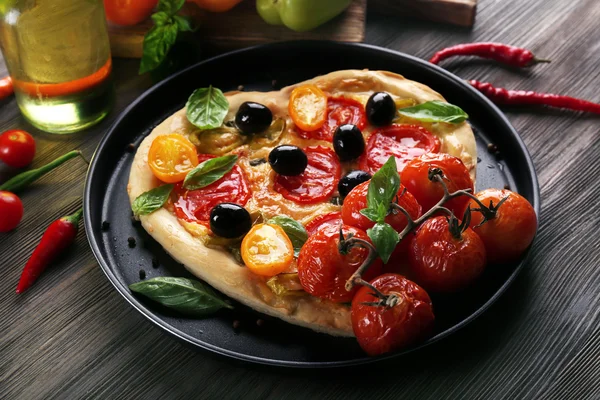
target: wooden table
<point>72,336</point>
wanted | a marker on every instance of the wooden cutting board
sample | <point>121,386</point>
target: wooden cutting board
<point>243,27</point>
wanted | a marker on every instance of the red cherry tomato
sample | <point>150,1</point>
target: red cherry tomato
<point>128,12</point>
<point>323,270</point>
<point>318,181</point>
<point>11,211</point>
<point>340,111</point>
<point>17,148</point>
<point>195,205</point>
<point>511,231</point>
<point>405,142</point>
<point>324,220</point>
<point>442,263</point>
<point>381,329</point>
<point>428,193</point>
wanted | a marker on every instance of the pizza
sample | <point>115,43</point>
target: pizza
<point>259,185</point>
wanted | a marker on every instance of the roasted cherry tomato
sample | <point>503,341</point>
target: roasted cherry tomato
<point>267,250</point>
<point>215,5</point>
<point>405,142</point>
<point>324,220</point>
<point>171,157</point>
<point>428,193</point>
<point>308,107</point>
<point>340,111</point>
<point>323,270</point>
<point>196,205</point>
<point>318,181</point>
<point>128,12</point>
<point>508,233</point>
<point>380,329</point>
<point>11,211</point>
<point>440,262</point>
<point>17,148</point>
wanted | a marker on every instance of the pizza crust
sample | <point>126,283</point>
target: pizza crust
<point>217,267</point>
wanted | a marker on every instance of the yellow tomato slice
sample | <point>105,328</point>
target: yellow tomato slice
<point>308,107</point>
<point>171,157</point>
<point>267,250</point>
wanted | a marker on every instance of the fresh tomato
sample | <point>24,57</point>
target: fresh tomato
<point>318,181</point>
<point>428,193</point>
<point>171,157</point>
<point>340,111</point>
<point>380,329</point>
<point>195,205</point>
<point>128,12</point>
<point>17,148</point>
<point>440,262</point>
<point>267,250</point>
<point>323,270</point>
<point>6,87</point>
<point>405,142</point>
<point>507,234</point>
<point>308,107</point>
<point>215,5</point>
<point>324,220</point>
<point>11,211</point>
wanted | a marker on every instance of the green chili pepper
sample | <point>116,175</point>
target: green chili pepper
<point>300,15</point>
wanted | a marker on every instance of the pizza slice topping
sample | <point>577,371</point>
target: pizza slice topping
<point>340,111</point>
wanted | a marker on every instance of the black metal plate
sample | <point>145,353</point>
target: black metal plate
<point>279,343</point>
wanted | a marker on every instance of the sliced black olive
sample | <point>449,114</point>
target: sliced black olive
<point>348,142</point>
<point>253,118</point>
<point>230,220</point>
<point>288,160</point>
<point>380,109</point>
<point>352,180</point>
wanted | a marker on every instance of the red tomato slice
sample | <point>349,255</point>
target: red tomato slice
<point>340,111</point>
<point>195,205</point>
<point>318,181</point>
<point>405,142</point>
<point>323,221</point>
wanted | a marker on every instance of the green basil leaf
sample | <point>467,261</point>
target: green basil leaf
<point>170,7</point>
<point>209,171</point>
<point>385,239</point>
<point>383,188</point>
<point>293,229</point>
<point>157,43</point>
<point>151,200</point>
<point>373,215</point>
<point>207,108</point>
<point>183,23</point>
<point>161,18</point>
<point>184,295</point>
<point>435,111</point>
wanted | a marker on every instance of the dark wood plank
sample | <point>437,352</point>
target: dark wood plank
<point>73,336</point>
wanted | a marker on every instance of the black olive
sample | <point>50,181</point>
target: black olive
<point>348,142</point>
<point>288,160</point>
<point>380,109</point>
<point>352,180</point>
<point>253,118</point>
<point>230,220</point>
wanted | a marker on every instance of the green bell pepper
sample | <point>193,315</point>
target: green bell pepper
<point>300,15</point>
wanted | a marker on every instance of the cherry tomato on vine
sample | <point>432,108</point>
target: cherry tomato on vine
<point>128,12</point>
<point>324,220</point>
<point>11,211</point>
<point>323,270</point>
<point>171,157</point>
<point>507,234</point>
<point>380,329</point>
<point>428,193</point>
<point>17,148</point>
<point>441,262</point>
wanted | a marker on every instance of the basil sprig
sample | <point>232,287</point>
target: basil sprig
<point>206,108</point>
<point>151,200</point>
<point>184,295</point>
<point>435,111</point>
<point>209,171</point>
<point>293,229</point>
<point>159,40</point>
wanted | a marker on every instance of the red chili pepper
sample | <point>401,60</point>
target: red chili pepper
<point>59,235</point>
<point>6,87</point>
<point>511,55</point>
<point>521,97</point>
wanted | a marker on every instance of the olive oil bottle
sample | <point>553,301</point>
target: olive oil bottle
<point>58,55</point>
